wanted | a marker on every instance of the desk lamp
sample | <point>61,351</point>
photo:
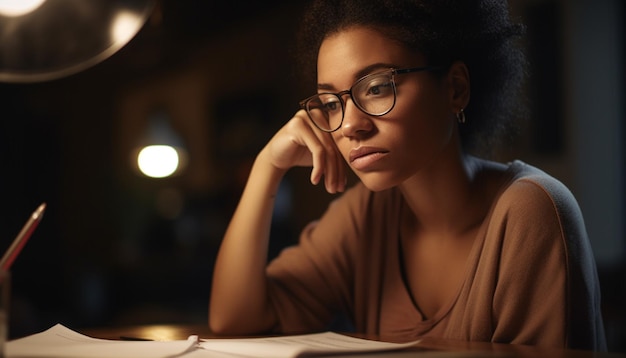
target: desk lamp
<point>42,40</point>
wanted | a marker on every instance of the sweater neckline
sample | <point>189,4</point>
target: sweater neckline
<point>513,169</point>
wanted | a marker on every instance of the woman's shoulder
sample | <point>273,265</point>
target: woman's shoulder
<point>537,225</point>
<point>528,183</point>
<point>530,196</point>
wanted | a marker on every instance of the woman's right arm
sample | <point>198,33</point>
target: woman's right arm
<point>239,302</point>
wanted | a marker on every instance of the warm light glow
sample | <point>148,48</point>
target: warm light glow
<point>161,333</point>
<point>125,26</point>
<point>158,161</point>
<point>18,7</point>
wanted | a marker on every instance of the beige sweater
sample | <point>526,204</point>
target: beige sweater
<point>530,277</point>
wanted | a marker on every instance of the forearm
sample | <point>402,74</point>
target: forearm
<point>239,303</point>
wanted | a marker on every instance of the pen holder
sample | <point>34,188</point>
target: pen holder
<point>5,294</point>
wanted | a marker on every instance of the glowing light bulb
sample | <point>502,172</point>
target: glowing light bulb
<point>18,7</point>
<point>158,161</point>
<point>125,26</point>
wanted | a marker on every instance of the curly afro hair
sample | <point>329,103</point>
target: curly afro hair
<point>479,33</point>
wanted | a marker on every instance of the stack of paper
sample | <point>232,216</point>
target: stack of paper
<point>295,346</point>
<point>60,341</point>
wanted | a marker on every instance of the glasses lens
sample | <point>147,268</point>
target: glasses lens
<point>375,94</point>
<point>326,111</point>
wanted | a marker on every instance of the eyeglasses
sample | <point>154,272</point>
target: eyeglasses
<point>374,94</point>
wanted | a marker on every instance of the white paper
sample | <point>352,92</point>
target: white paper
<point>295,346</point>
<point>60,341</point>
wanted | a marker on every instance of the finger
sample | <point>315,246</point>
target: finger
<point>340,171</point>
<point>333,168</point>
<point>326,159</point>
<point>317,143</point>
<point>342,176</point>
<point>330,164</point>
<point>320,159</point>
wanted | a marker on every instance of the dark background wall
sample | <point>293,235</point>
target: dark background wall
<point>118,248</point>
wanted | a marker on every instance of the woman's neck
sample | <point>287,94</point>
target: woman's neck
<point>448,197</point>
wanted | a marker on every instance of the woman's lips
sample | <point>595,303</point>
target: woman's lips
<point>364,157</point>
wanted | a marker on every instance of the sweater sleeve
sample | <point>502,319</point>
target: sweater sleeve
<point>310,282</point>
<point>547,289</point>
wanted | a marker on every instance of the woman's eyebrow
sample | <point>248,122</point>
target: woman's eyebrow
<point>325,86</point>
<point>359,74</point>
<point>372,68</point>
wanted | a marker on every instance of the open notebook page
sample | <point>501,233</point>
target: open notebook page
<point>299,345</point>
<point>60,341</point>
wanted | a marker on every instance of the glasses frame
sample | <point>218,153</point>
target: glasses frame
<point>305,102</point>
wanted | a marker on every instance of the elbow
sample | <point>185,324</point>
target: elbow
<point>219,327</point>
<point>226,325</point>
<point>219,323</point>
<point>233,328</point>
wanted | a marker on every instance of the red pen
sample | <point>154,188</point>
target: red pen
<point>22,238</point>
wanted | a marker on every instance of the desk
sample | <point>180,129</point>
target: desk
<point>427,345</point>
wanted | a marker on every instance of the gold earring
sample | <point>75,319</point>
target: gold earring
<point>460,116</point>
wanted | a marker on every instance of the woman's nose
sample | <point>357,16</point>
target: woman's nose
<point>355,121</point>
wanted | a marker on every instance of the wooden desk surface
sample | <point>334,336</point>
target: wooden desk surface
<point>167,332</point>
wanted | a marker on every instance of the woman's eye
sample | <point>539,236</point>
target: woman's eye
<point>331,106</point>
<point>374,90</point>
<point>379,89</point>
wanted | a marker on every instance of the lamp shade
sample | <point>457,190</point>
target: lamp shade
<point>60,37</point>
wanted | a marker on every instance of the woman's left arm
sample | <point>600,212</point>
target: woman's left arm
<point>547,292</point>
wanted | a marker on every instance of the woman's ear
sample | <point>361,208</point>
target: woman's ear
<point>459,86</point>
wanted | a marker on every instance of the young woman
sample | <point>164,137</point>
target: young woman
<point>432,241</point>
